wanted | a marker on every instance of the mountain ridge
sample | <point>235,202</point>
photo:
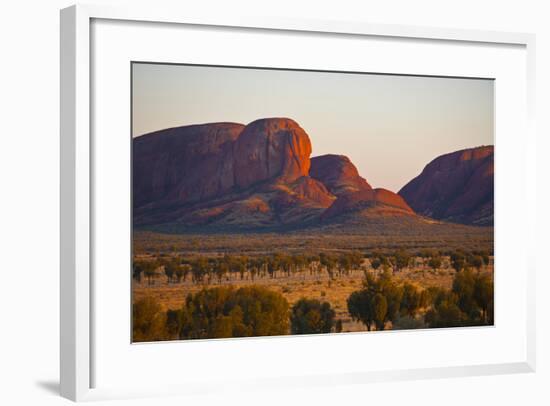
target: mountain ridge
<point>257,176</point>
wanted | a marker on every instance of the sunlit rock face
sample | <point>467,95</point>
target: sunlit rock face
<point>271,148</point>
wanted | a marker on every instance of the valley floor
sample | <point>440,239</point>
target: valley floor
<point>444,237</point>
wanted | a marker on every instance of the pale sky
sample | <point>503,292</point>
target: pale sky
<point>389,126</point>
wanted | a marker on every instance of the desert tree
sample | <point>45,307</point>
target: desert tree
<point>221,269</point>
<point>170,268</point>
<point>149,270</point>
<point>435,262</point>
<point>338,326</point>
<point>402,259</point>
<point>173,323</point>
<point>227,312</point>
<point>356,258</point>
<point>272,266</point>
<point>485,254</point>
<point>180,272</point>
<point>301,263</point>
<point>366,304</point>
<point>484,296</point>
<point>458,260</point>
<point>463,287</point>
<point>344,263</point>
<point>255,267</point>
<point>200,269</point>
<point>148,320</point>
<point>286,263</point>
<point>241,266</point>
<point>379,310</point>
<point>310,316</point>
<point>469,302</point>
<point>330,263</point>
<point>158,271</point>
<point>360,307</point>
<point>375,263</point>
<point>405,322</point>
<point>137,271</point>
<point>313,264</point>
<point>446,312</point>
<point>411,299</point>
<point>476,261</point>
<point>393,293</point>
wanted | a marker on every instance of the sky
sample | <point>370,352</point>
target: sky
<point>390,126</point>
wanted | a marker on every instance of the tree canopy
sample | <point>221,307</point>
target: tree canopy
<point>310,316</point>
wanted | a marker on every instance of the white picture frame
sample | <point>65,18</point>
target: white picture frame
<point>77,356</point>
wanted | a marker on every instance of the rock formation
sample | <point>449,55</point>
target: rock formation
<point>261,176</point>
<point>184,164</point>
<point>194,163</point>
<point>227,174</point>
<point>271,148</point>
<point>367,202</point>
<point>338,174</point>
<point>355,196</point>
<point>455,187</point>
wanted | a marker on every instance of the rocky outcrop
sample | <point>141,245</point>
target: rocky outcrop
<point>227,174</point>
<point>355,197</point>
<point>271,148</point>
<point>338,174</point>
<point>368,202</point>
<point>456,187</point>
<point>313,190</point>
<point>193,163</point>
<point>184,164</point>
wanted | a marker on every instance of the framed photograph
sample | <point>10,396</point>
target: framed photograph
<point>282,202</point>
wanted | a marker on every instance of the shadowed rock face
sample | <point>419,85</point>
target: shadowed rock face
<point>457,187</point>
<point>368,202</point>
<point>338,174</point>
<point>184,164</point>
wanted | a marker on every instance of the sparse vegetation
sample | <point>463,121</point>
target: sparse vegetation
<point>214,313</point>
<point>445,239</point>
<point>468,303</point>
<point>308,292</point>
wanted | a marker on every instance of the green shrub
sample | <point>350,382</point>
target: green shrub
<point>227,312</point>
<point>148,321</point>
<point>378,302</point>
<point>310,316</point>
